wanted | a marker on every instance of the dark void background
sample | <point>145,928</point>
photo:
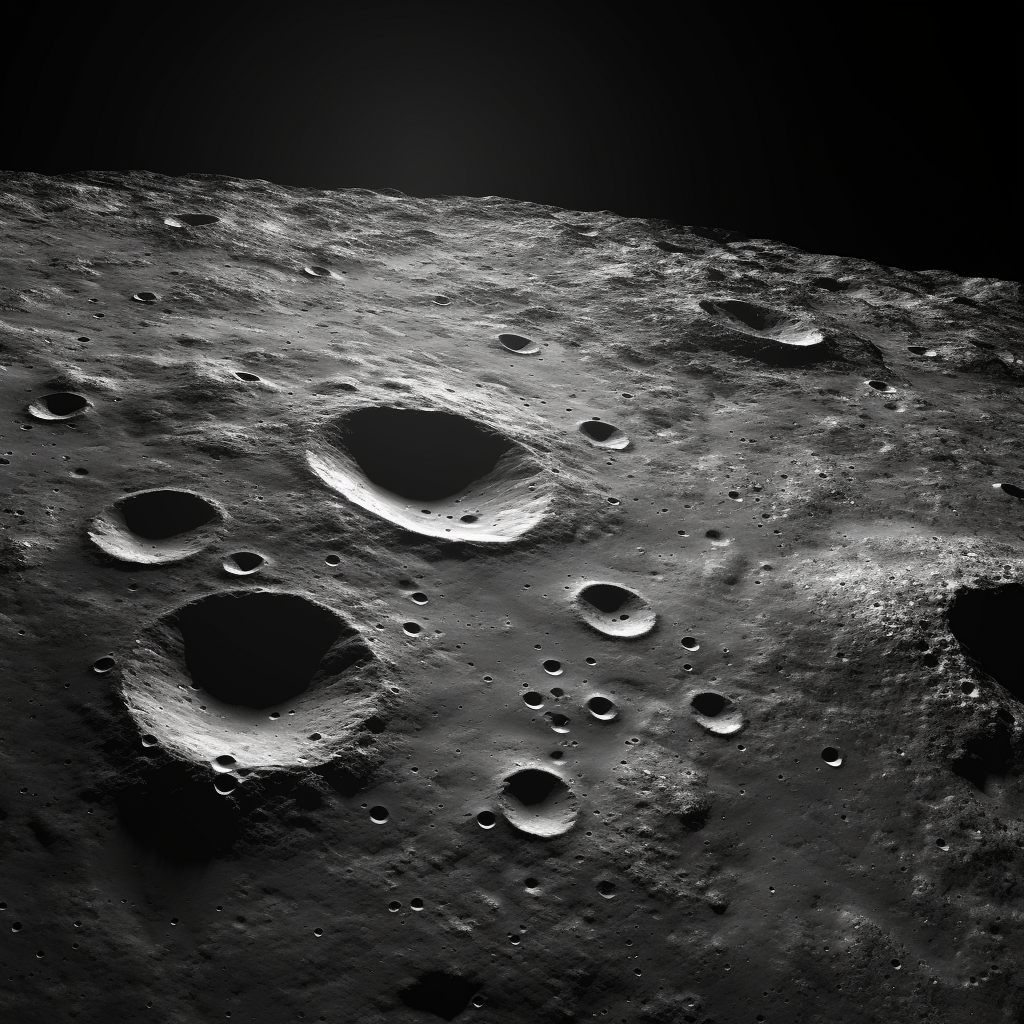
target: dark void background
<point>883,133</point>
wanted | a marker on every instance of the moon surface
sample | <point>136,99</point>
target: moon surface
<point>459,608</point>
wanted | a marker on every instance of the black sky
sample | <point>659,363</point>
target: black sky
<point>871,132</point>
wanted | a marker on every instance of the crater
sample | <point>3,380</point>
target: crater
<point>243,563</point>
<point>880,385</point>
<point>435,473</point>
<point>832,757</point>
<point>786,339</point>
<point>985,621</point>
<point>920,350</point>
<point>439,993</point>
<point>614,610</point>
<point>156,526</point>
<point>317,272</point>
<point>61,405</point>
<point>192,220</point>
<point>145,297</point>
<point>1012,489</point>
<point>603,435</point>
<point>538,802</point>
<point>204,677</point>
<point>602,708</point>
<point>716,713</point>
<point>246,376</point>
<point>519,345</point>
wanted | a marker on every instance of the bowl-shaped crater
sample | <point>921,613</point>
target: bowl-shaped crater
<point>192,220</point>
<point>156,526</point>
<point>783,337</point>
<point>435,473</point>
<point>538,802</point>
<point>603,435</point>
<point>614,610</point>
<point>716,713</point>
<point>60,405</point>
<point>263,678</point>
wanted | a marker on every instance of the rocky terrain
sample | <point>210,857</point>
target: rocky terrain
<point>458,608</point>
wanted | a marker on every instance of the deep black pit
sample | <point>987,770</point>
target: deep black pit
<point>532,786</point>
<point>830,754</point>
<point>709,704</point>
<point>985,622</point>
<point>196,219</point>
<point>596,430</point>
<point>440,993</point>
<point>420,455</point>
<point>247,560</point>
<point>157,515</point>
<point>600,705</point>
<point>1012,490</point>
<point>63,403</point>
<point>605,597</point>
<point>260,649</point>
<point>514,342</point>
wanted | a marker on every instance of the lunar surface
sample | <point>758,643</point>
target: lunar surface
<point>464,609</point>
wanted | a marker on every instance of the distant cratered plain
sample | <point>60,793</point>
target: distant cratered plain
<point>460,608</point>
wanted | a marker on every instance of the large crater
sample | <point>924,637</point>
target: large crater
<point>260,678</point>
<point>156,526</point>
<point>436,473</point>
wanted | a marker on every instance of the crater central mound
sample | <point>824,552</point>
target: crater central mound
<point>206,675</point>
<point>156,526</point>
<point>436,473</point>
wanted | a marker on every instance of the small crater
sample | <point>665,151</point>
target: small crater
<point>538,802</point>
<point>614,610</point>
<point>831,757</point>
<point>250,378</point>
<point>225,784</point>
<point>420,469</point>
<point>412,628</point>
<point>534,700</point>
<point>243,563</point>
<point>603,708</point>
<point>145,297</point>
<point>486,819</point>
<point>552,667</point>
<point>603,435</point>
<point>192,220</point>
<point>379,815</point>
<point>606,889</point>
<point>785,339</point>
<point>332,560</point>
<point>61,405</point>
<point>439,993</point>
<point>156,526</point>
<point>880,385</point>
<point>716,713</point>
<point>103,665</point>
<point>223,763</point>
<point>690,643</point>
<point>920,350</point>
<point>441,300</point>
<point>559,723</point>
<point>317,272</point>
<point>829,284</point>
<point>518,344</point>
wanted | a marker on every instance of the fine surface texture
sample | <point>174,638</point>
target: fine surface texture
<point>458,608</point>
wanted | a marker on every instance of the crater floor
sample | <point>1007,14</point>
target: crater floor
<point>465,609</point>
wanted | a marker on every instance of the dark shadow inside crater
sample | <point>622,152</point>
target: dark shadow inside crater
<point>157,515</point>
<point>532,786</point>
<point>597,430</point>
<point>440,993</point>
<point>985,622</point>
<point>63,403</point>
<point>420,455</point>
<point>260,649</point>
<point>606,597</point>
